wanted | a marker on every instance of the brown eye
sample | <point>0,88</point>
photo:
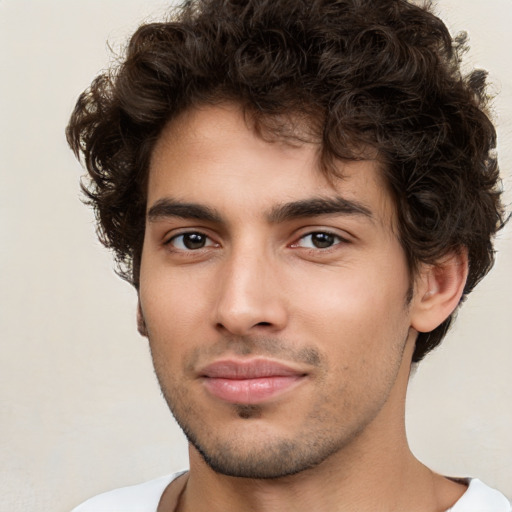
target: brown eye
<point>190,241</point>
<point>322,240</point>
<point>319,240</point>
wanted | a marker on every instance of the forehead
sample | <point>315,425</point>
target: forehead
<point>214,154</point>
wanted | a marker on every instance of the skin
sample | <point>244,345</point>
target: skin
<point>240,277</point>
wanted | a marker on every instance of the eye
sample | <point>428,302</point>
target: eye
<point>190,241</point>
<point>318,240</point>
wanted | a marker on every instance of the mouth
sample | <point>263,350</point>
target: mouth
<point>249,382</point>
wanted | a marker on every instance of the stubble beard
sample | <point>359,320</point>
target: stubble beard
<point>271,458</point>
<point>268,458</point>
<point>276,458</point>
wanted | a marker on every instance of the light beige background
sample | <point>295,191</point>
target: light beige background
<point>80,409</point>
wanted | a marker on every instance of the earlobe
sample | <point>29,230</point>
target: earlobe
<point>141,323</point>
<point>438,291</point>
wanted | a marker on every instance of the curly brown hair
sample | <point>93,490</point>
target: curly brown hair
<point>378,74</point>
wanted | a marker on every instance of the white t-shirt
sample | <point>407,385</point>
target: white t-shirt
<point>146,497</point>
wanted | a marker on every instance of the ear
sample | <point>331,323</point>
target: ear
<point>438,290</point>
<point>141,324</point>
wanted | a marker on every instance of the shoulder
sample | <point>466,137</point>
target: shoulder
<point>481,498</point>
<point>135,498</point>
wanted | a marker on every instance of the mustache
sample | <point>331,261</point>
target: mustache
<point>256,346</point>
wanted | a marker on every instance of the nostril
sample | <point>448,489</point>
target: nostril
<point>220,325</point>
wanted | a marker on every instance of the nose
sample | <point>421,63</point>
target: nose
<point>250,296</point>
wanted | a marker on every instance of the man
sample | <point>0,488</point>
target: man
<point>301,192</point>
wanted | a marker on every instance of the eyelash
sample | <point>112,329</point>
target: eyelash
<point>189,233</point>
<point>337,240</point>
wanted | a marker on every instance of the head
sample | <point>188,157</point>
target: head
<point>379,78</point>
<point>359,81</point>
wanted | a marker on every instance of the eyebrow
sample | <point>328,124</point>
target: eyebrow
<point>318,206</point>
<point>165,208</point>
<point>314,207</point>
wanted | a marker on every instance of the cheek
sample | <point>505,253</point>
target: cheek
<point>353,309</point>
<point>351,296</point>
<point>173,305</point>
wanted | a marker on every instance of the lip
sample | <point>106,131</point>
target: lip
<point>249,382</point>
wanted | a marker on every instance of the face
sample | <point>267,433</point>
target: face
<point>274,298</point>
